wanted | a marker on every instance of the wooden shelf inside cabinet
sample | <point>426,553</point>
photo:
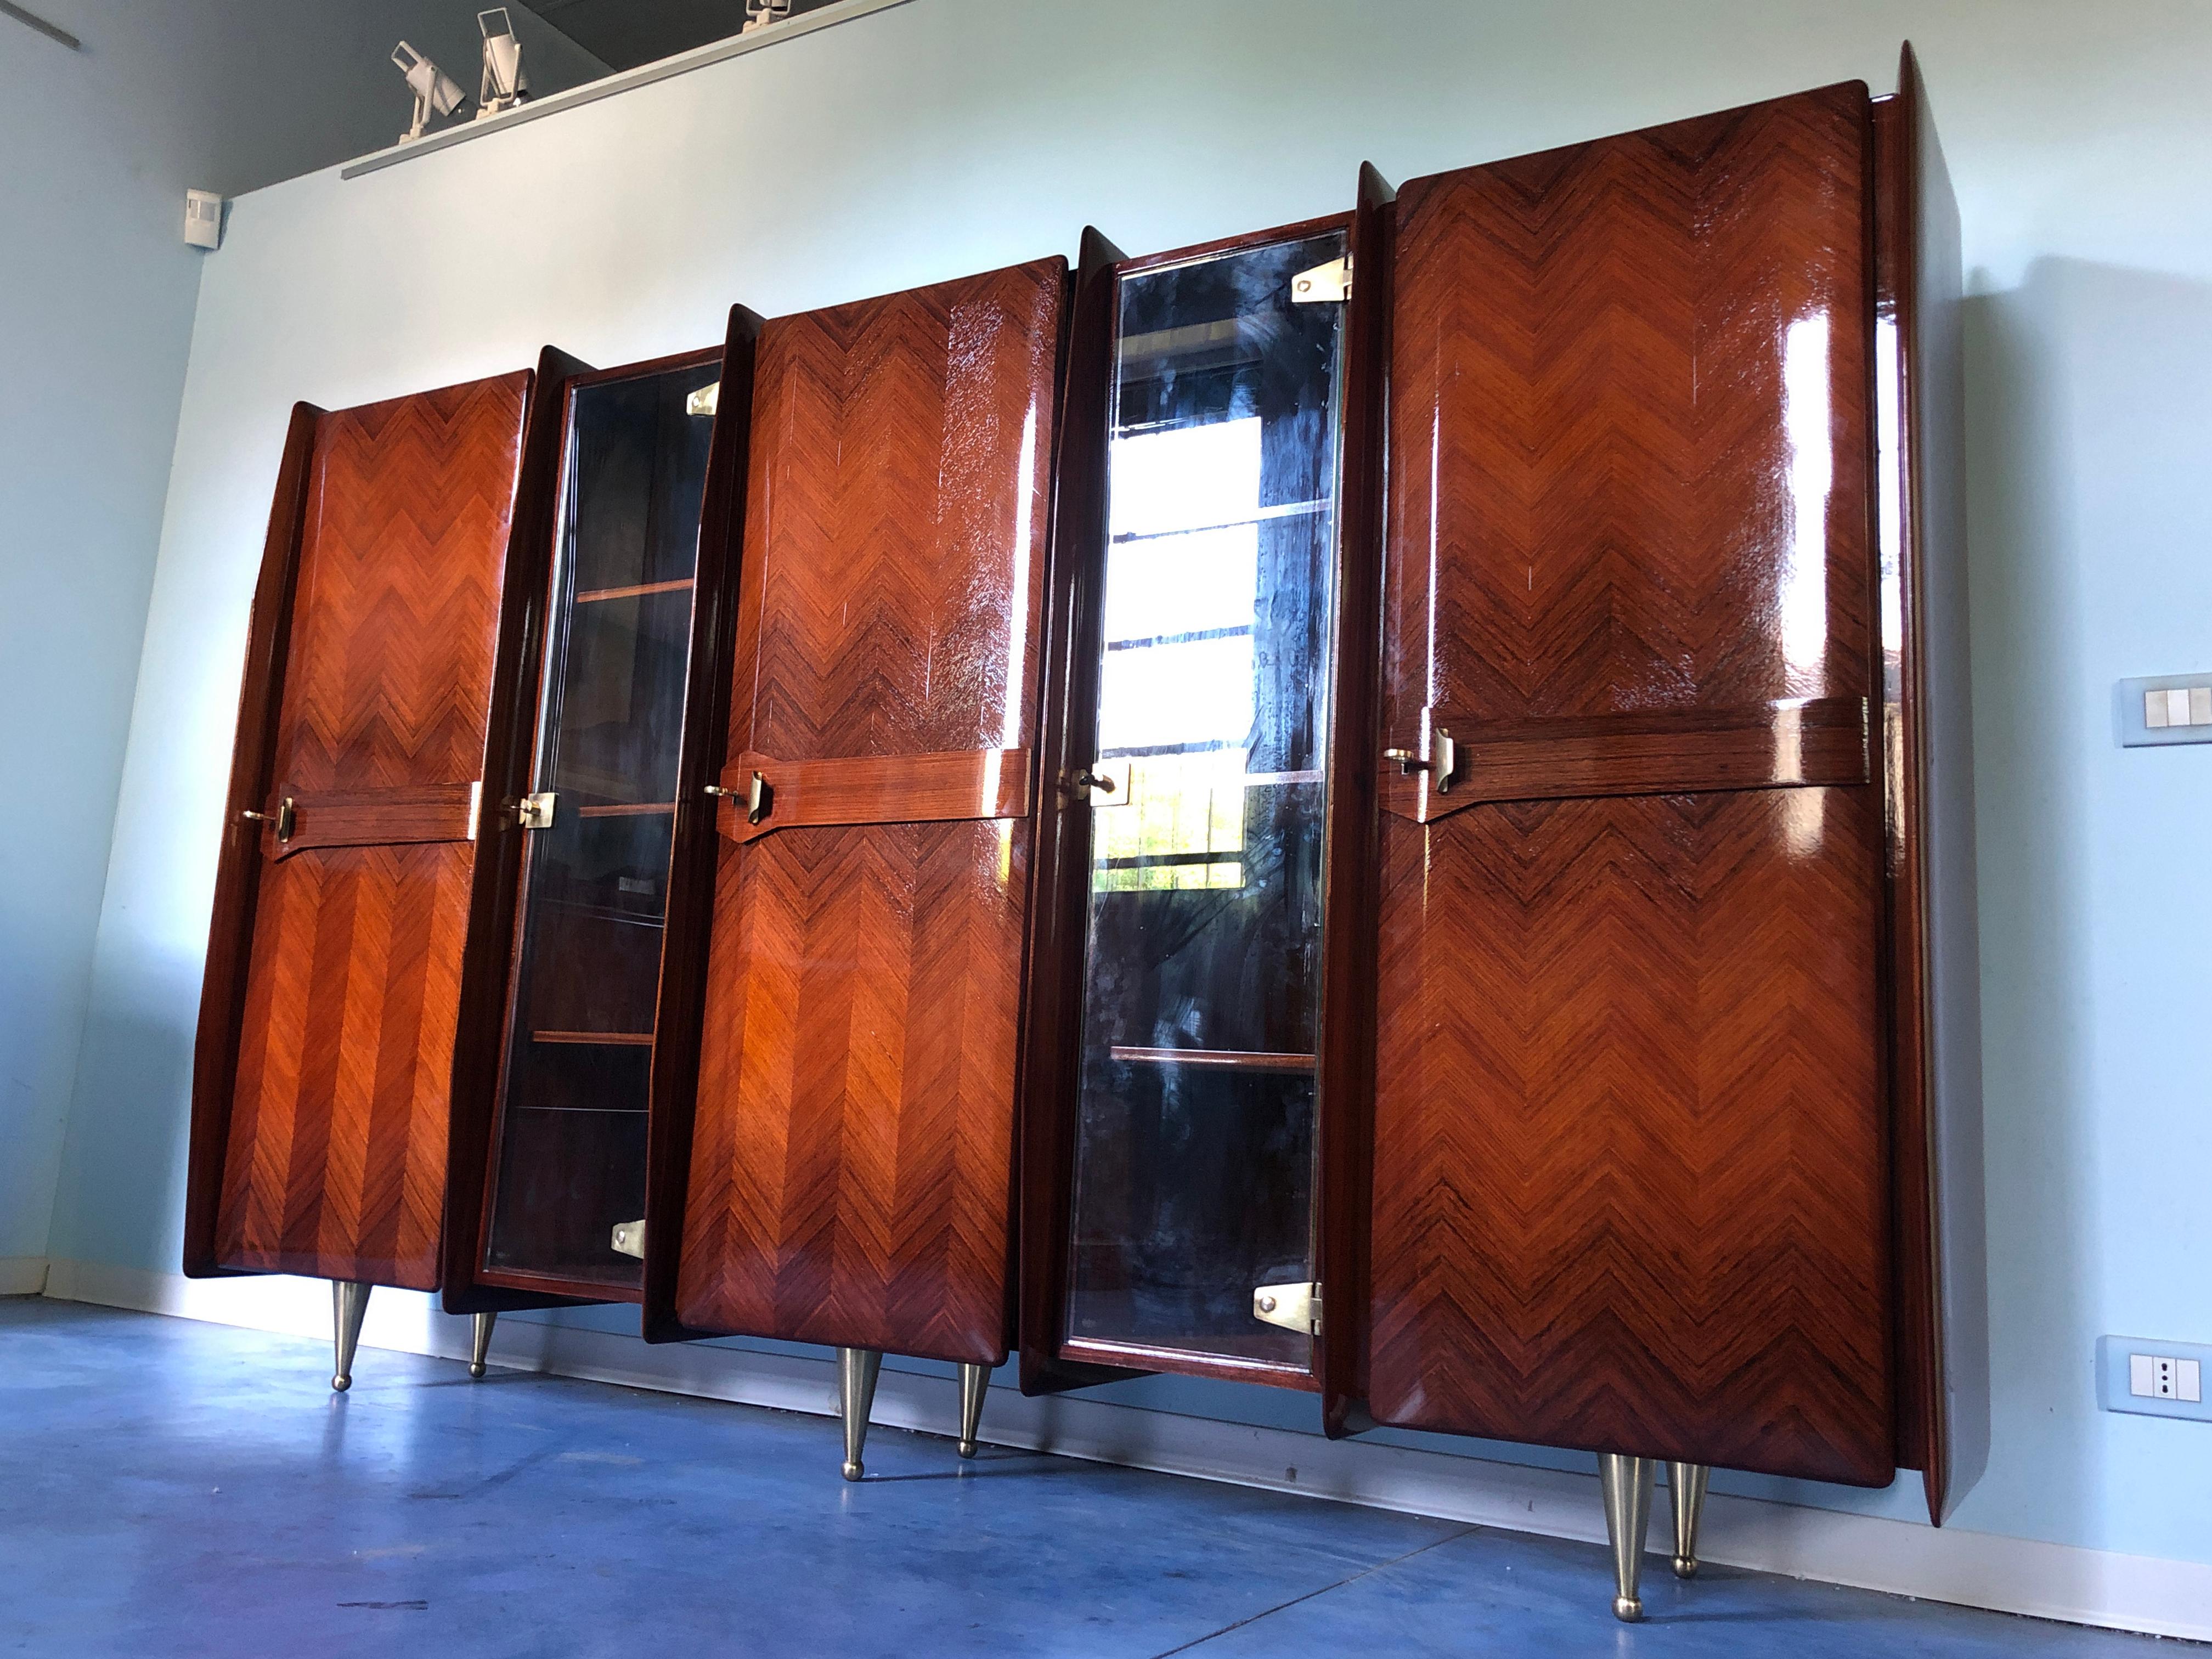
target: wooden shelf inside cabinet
<point>615,1039</point>
<point>642,809</point>
<point>1226,1060</point>
<point>600,595</point>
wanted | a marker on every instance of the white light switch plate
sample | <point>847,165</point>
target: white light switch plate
<point>2165,708</point>
<point>2157,1379</point>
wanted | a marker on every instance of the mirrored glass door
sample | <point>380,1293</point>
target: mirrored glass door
<point>1196,1142</point>
<point>568,1157</point>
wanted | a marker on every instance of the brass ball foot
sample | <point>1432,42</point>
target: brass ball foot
<point>1628,1609</point>
<point>1686,1566</point>
<point>967,1448</point>
<point>476,1368</point>
<point>340,1384</point>
<point>854,1471</point>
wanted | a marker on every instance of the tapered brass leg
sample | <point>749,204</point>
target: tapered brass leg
<point>974,1380</point>
<point>480,1342</point>
<point>856,1392</point>
<point>348,1303</point>
<point>1685,1484</point>
<point>1626,1482</point>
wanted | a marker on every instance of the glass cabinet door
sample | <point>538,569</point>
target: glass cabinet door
<point>568,1153</point>
<point>1194,1172</point>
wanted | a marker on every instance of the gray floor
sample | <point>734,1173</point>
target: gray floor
<point>170,1488</point>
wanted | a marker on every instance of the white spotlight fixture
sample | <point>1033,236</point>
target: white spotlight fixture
<point>504,84</point>
<point>759,13</point>
<point>436,93</point>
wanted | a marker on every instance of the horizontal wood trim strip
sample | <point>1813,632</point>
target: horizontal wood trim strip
<point>604,1039</point>
<point>967,783</point>
<point>1230,1060</point>
<point>1228,1367</point>
<point>1793,743</point>
<point>371,818</point>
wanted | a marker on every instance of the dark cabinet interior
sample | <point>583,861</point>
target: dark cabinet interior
<point>569,1137</point>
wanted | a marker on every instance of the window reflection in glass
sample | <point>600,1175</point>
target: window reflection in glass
<point>1195,1137</point>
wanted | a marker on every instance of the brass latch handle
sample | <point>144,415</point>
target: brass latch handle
<point>283,818</point>
<point>1085,781</point>
<point>760,798</point>
<point>1440,762</point>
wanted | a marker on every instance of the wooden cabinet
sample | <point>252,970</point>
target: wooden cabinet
<point>326,1045</point>
<point>841,1171</point>
<point>1613,1130</point>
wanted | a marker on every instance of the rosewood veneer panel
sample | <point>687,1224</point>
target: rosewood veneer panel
<point>1631,1183</point>
<point>851,1153</point>
<point>336,1145</point>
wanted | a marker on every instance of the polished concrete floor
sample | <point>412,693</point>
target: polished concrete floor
<point>175,1489</point>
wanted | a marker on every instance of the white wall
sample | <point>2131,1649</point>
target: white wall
<point>948,135</point>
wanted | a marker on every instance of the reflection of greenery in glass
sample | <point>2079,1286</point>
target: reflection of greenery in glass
<point>1180,808</point>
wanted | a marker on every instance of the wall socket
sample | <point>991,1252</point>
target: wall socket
<point>2157,1379</point>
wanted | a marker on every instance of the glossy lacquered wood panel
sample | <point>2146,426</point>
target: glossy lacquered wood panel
<point>238,866</point>
<point>1345,1099</point>
<point>974,783</point>
<point>372,817</point>
<point>1629,1174</point>
<point>1052,1020</point>
<point>695,845</point>
<point>1942,1428</point>
<point>851,1158</point>
<point>1807,741</point>
<point>1631,1189</point>
<point>334,1160</point>
<point>495,880</point>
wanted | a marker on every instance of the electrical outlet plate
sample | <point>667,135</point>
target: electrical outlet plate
<point>2137,700</point>
<point>2124,1362</point>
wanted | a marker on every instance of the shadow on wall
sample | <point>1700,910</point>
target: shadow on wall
<point>122,1192</point>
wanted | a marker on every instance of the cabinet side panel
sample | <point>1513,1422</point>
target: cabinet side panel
<point>230,932</point>
<point>1942,1333</point>
<point>337,1143</point>
<point>1632,1158</point>
<point>852,1159</point>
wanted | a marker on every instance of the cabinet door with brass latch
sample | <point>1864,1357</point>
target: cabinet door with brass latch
<point>836,1167</point>
<point>321,1075</point>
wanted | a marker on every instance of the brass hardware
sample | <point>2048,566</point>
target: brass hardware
<point>704,400</point>
<point>760,798</point>
<point>1328,284</point>
<point>716,789</point>
<point>857,1370</point>
<point>629,1238</point>
<point>1103,783</point>
<point>284,818</point>
<point>480,1342</point>
<point>348,1303</point>
<point>1442,759</point>
<point>1626,1486</point>
<point>1294,1307</point>
<point>535,812</point>
<point>1687,1483</point>
<point>974,1380</point>
<point>475,806</point>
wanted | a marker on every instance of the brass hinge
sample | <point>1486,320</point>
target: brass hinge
<point>1328,284</point>
<point>535,812</point>
<point>704,400</point>
<point>1443,759</point>
<point>1294,1307</point>
<point>629,1238</point>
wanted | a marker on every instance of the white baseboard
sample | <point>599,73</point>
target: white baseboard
<point>22,1275</point>
<point>1976,1570</point>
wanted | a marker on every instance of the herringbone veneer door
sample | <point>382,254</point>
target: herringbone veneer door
<point>1629,1167</point>
<point>335,1164</point>
<point>851,1155</point>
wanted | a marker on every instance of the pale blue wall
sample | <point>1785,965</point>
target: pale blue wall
<point>947,136</point>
